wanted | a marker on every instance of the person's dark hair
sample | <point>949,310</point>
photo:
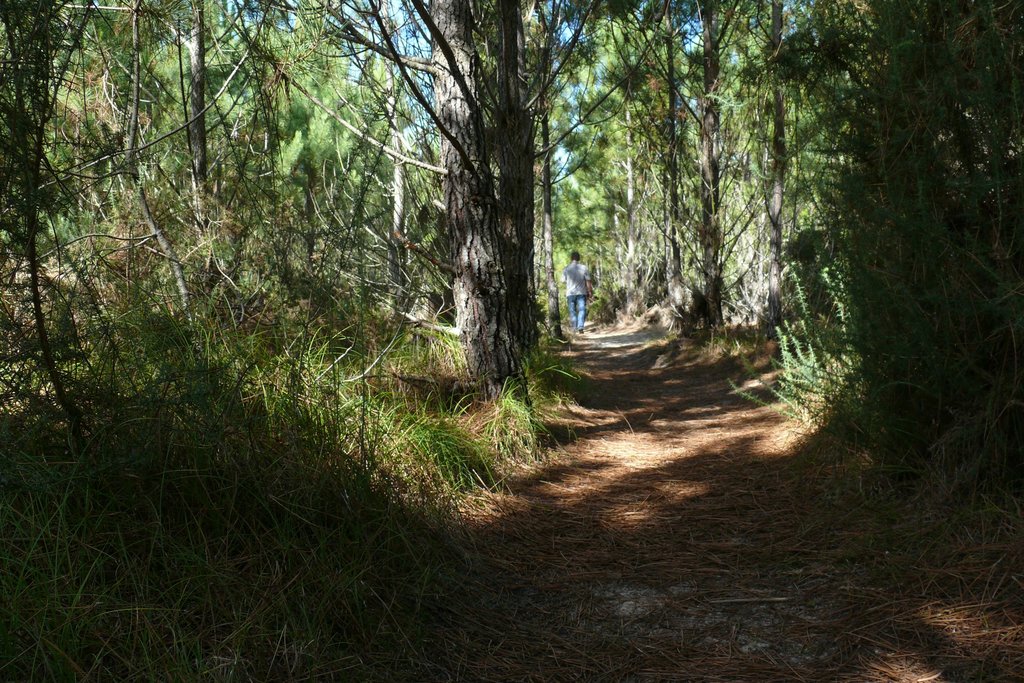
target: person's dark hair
<point>575,256</point>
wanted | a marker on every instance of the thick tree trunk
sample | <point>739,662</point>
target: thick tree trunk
<point>554,317</point>
<point>778,177</point>
<point>710,189</point>
<point>515,161</point>
<point>487,325</point>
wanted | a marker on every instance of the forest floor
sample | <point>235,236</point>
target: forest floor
<point>677,534</point>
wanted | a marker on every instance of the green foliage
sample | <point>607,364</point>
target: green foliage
<point>551,378</point>
<point>925,211</point>
<point>820,371</point>
<point>511,427</point>
<point>231,520</point>
<point>430,351</point>
<point>446,451</point>
<point>254,501</point>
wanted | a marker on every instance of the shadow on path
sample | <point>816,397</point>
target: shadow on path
<point>680,539</point>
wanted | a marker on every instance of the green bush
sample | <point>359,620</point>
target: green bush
<point>924,209</point>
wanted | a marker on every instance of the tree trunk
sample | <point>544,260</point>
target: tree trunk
<point>396,274</point>
<point>515,161</point>
<point>554,318</point>
<point>632,296</point>
<point>710,149</point>
<point>674,262</point>
<point>778,177</point>
<point>486,321</point>
<point>197,130</point>
<point>132,163</point>
<point>621,273</point>
<point>197,94</point>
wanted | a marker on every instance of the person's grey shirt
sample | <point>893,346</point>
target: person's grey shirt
<point>575,276</point>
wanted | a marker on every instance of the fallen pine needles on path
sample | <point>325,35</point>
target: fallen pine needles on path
<point>684,535</point>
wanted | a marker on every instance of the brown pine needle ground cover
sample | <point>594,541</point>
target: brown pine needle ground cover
<point>681,537</point>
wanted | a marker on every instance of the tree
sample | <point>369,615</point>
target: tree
<point>554,322</point>
<point>778,183</point>
<point>488,181</point>
<point>481,225</point>
<point>674,267</point>
<point>132,165</point>
<point>710,230</point>
<point>38,42</point>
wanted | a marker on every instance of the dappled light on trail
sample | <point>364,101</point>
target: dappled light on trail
<point>678,536</point>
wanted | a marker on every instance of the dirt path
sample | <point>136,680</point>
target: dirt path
<point>676,541</point>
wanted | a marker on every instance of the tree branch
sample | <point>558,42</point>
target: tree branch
<point>393,153</point>
<point>351,34</point>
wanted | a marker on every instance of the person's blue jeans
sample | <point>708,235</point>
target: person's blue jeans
<point>577,311</point>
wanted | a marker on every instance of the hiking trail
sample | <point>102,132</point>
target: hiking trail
<point>674,539</point>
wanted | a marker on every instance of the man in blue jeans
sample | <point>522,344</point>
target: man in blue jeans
<point>578,291</point>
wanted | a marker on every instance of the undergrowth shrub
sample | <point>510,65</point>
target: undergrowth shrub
<point>234,517</point>
<point>253,502</point>
<point>551,379</point>
<point>924,206</point>
<point>510,426</point>
<point>432,352</point>
<point>444,454</point>
<point>820,370</point>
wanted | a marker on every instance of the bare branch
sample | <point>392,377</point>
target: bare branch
<point>393,153</point>
<point>349,32</point>
<point>414,88</point>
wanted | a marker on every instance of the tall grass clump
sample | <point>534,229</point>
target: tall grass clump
<point>551,379</point>
<point>232,519</point>
<point>925,206</point>
<point>445,441</point>
<point>444,453</point>
<point>511,428</point>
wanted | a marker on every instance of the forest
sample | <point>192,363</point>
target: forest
<point>289,389</point>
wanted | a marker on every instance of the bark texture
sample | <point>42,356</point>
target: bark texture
<point>487,323</point>
<point>515,150</point>
<point>778,178</point>
<point>710,151</point>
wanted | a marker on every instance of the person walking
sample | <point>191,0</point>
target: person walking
<point>578,290</point>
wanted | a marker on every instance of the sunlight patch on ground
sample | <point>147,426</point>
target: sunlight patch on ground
<point>903,668</point>
<point>972,627</point>
<point>622,340</point>
<point>636,514</point>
